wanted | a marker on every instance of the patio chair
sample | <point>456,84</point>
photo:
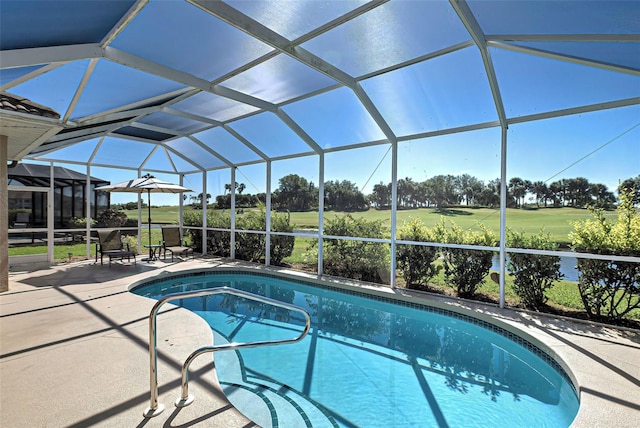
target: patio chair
<point>23,221</point>
<point>172,242</point>
<point>110,244</point>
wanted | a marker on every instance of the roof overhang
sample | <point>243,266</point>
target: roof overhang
<point>25,132</point>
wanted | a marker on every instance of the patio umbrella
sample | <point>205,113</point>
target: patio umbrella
<point>146,184</point>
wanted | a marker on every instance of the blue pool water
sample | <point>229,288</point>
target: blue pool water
<point>367,362</point>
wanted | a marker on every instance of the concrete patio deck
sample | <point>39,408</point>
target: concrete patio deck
<point>74,353</point>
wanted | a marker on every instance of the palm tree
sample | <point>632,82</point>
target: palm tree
<point>199,197</point>
<point>517,188</point>
<point>239,187</point>
<point>539,188</point>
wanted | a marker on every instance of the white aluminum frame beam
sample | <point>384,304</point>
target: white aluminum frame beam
<point>32,75</point>
<point>503,215</point>
<point>47,55</point>
<point>149,156</point>
<point>97,119</point>
<point>469,21</point>
<point>320,214</point>
<point>267,242</point>
<point>123,22</point>
<point>204,211</point>
<point>394,210</point>
<point>566,58</point>
<point>613,38</point>
<point>264,34</point>
<point>232,206</point>
<point>210,150</point>
<point>80,89</point>
<point>244,141</point>
<point>190,116</point>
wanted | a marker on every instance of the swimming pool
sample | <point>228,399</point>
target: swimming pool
<point>370,362</point>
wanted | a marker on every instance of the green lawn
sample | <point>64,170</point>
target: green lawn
<point>163,215</point>
<point>556,221</point>
<point>78,249</point>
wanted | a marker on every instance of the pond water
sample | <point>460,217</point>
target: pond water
<point>567,267</point>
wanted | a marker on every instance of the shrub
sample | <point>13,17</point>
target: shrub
<point>533,274</point>
<point>464,268</point>
<point>81,222</point>
<point>112,218</point>
<point>609,288</point>
<point>367,261</point>
<point>131,241</point>
<point>131,222</point>
<point>281,246</point>
<point>218,242</point>
<point>249,246</point>
<point>416,261</point>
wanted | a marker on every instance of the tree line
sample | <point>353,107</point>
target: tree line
<point>296,193</point>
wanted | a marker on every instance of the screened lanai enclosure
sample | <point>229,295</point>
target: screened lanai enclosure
<point>461,116</point>
<point>70,195</point>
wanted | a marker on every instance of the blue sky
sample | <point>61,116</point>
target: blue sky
<point>445,92</point>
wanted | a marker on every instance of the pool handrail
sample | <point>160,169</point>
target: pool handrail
<point>156,408</point>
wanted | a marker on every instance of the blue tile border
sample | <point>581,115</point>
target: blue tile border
<point>413,305</point>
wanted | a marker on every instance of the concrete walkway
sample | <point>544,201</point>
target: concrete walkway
<point>74,353</point>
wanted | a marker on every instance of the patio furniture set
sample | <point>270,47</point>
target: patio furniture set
<point>110,245</point>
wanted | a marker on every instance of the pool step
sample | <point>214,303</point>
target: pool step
<point>272,408</point>
<point>265,401</point>
<point>313,413</point>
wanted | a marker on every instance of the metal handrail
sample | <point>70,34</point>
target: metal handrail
<point>155,408</point>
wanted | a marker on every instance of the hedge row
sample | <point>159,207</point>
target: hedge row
<point>248,246</point>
